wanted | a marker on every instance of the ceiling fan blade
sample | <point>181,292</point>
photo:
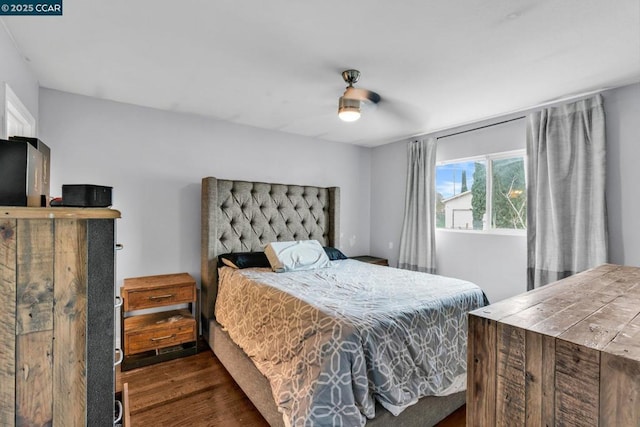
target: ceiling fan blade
<point>402,111</point>
<point>361,95</point>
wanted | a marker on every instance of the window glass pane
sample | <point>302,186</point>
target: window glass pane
<point>14,124</point>
<point>509,195</point>
<point>461,195</point>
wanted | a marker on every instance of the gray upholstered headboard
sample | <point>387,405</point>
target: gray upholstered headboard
<point>241,216</point>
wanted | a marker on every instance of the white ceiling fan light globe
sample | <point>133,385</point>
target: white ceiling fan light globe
<point>348,109</point>
<point>349,115</point>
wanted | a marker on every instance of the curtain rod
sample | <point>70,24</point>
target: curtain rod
<point>556,101</point>
<point>481,127</point>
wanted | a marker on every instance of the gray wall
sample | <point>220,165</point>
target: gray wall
<point>498,262</point>
<point>155,160</point>
<point>17,73</point>
<point>622,109</point>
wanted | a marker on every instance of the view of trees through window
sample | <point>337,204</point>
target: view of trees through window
<point>482,193</point>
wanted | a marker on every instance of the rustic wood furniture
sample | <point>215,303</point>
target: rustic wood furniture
<point>241,216</point>
<point>372,260</point>
<point>564,354</point>
<point>126,417</point>
<point>57,324</point>
<point>166,333</point>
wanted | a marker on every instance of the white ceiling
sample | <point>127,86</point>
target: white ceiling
<point>276,64</point>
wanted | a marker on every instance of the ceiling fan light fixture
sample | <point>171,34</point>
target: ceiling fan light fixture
<point>348,109</point>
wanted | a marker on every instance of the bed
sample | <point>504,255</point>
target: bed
<point>242,216</point>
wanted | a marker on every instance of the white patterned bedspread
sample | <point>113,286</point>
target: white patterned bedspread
<point>356,332</point>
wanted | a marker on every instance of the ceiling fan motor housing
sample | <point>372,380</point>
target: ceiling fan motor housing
<point>351,76</point>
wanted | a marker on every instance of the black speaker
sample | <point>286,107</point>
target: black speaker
<point>86,196</point>
<point>21,174</point>
<point>46,162</point>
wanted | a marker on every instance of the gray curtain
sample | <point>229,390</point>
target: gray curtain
<point>417,242</point>
<point>567,219</point>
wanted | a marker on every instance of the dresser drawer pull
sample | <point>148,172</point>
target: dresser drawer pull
<point>120,356</point>
<point>119,246</point>
<point>119,417</point>
<point>161,297</point>
<point>164,338</point>
<point>118,302</point>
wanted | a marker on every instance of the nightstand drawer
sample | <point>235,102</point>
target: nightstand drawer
<point>166,295</point>
<point>158,330</point>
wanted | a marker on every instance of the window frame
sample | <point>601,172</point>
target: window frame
<point>13,107</point>
<point>488,160</point>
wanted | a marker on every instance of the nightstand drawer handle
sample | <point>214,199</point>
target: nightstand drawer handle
<point>119,417</point>
<point>164,338</point>
<point>119,246</point>
<point>118,302</point>
<point>120,357</point>
<point>161,296</point>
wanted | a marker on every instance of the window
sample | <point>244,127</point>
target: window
<point>482,193</point>
<point>19,121</point>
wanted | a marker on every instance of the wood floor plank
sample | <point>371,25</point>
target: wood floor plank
<point>219,406</point>
<point>187,385</point>
<point>197,391</point>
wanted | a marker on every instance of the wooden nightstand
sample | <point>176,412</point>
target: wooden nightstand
<point>372,260</point>
<point>161,335</point>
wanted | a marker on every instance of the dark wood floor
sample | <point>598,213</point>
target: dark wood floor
<point>197,391</point>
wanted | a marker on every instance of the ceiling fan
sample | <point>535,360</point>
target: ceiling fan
<point>350,102</point>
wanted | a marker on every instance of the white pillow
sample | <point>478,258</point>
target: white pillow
<point>296,256</point>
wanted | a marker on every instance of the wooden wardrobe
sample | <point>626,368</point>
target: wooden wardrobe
<point>57,271</point>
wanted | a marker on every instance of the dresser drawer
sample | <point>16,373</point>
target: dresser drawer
<point>157,297</point>
<point>158,330</point>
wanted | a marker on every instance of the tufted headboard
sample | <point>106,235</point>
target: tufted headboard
<point>241,216</point>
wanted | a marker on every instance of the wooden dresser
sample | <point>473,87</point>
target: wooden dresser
<point>565,354</point>
<point>57,271</point>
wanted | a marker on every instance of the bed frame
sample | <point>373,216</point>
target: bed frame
<point>242,216</point>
